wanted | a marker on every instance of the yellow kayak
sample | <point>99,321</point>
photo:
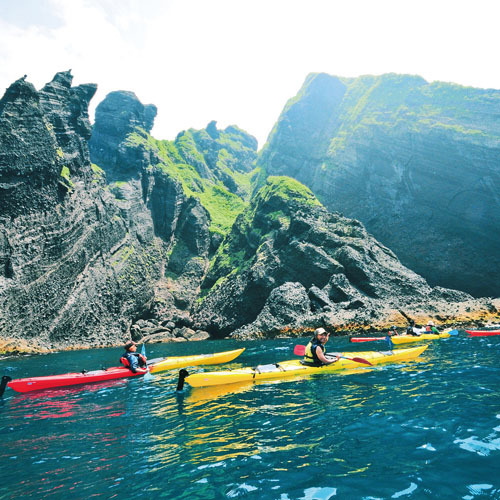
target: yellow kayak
<point>194,360</point>
<point>295,368</point>
<point>404,339</point>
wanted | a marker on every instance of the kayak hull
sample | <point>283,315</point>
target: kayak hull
<point>483,333</point>
<point>405,339</point>
<point>295,368</point>
<point>195,360</point>
<point>118,372</point>
<point>365,339</point>
<point>55,381</point>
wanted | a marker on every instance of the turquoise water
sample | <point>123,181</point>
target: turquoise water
<point>426,429</point>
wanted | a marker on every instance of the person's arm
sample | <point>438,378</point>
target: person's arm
<point>323,358</point>
<point>134,363</point>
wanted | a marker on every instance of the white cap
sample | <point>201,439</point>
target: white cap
<point>430,323</point>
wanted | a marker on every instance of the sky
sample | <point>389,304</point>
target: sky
<point>239,61</point>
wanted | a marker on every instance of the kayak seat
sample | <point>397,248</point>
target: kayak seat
<point>271,368</point>
<point>307,363</point>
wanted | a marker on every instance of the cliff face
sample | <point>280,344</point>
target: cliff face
<point>184,193</point>
<point>417,163</point>
<point>289,264</point>
<point>70,272</point>
<point>173,240</point>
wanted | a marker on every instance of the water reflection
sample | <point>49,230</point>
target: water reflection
<point>368,433</point>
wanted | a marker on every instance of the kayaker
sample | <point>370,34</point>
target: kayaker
<point>133,360</point>
<point>315,350</point>
<point>430,328</point>
<point>392,331</point>
<point>412,329</point>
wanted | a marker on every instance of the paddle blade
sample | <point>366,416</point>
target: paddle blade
<point>361,360</point>
<point>453,332</point>
<point>299,350</point>
<point>389,342</point>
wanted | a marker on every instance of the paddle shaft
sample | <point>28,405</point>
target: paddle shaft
<point>300,350</point>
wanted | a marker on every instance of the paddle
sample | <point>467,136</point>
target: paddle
<point>5,380</point>
<point>389,342</point>
<point>148,375</point>
<point>300,350</point>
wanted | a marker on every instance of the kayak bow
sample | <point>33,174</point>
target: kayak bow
<point>296,368</point>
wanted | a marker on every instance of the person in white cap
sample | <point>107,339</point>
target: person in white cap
<point>315,350</point>
<point>430,328</point>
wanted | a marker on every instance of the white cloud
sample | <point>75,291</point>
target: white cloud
<point>238,61</point>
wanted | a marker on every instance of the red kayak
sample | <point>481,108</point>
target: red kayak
<point>116,372</point>
<point>482,333</point>
<point>365,339</point>
<point>50,381</point>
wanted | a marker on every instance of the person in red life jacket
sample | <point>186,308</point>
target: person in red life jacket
<point>392,331</point>
<point>430,328</point>
<point>133,360</point>
<point>315,350</point>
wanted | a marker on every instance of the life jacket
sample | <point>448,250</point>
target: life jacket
<point>428,328</point>
<point>124,360</point>
<point>310,356</point>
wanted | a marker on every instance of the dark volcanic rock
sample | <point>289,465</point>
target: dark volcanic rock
<point>417,163</point>
<point>71,272</point>
<point>289,264</point>
<point>117,116</point>
<point>153,200</point>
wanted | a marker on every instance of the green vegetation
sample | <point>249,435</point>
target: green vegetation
<point>66,176</point>
<point>289,190</point>
<point>202,165</point>
<point>275,204</point>
<point>98,171</point>
<point>394,103</point>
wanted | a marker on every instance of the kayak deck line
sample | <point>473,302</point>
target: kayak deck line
<point>295,367</point>
<point>30,384</point>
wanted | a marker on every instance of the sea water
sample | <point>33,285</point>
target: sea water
<point>423,429</point>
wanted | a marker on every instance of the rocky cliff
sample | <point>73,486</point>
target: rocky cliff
<point>71,272</point>
<point>109,233</point>
<point>184,193</point>
<point>289,265</point>
<point>416,163</point>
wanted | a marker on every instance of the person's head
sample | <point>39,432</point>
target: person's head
<point>412,323</point>
<point>321,334</point>
<point>130,346</point>
<point>430,323</point>
<point>392,328</point>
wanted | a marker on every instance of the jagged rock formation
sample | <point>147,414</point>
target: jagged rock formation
<point>143,241</point>
<point>289,264</point>
<point>71,274</point>
<point>417,163</point>
<point>184,193</point>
